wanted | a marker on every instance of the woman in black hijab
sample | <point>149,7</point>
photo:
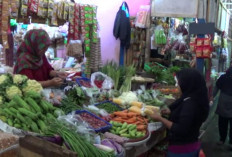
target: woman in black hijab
<point>224,108</point>
<point>186,114</point>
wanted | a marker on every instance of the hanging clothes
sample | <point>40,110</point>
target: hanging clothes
<point>122,27</point>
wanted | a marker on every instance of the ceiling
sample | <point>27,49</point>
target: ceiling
<point>228,4</point>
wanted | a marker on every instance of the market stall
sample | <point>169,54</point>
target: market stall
<point>103,110</point>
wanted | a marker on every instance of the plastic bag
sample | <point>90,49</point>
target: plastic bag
<point>160,37</point>
<point>75,121</point>
<point>58,64</point>
<point>101,81</point>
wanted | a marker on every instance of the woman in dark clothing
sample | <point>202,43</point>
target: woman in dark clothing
<point>224,108</point>
<point>186,114</point>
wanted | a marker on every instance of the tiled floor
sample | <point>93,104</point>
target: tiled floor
<point>209,140</point>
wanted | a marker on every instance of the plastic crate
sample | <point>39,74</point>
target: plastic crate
<point>119,108</point>
<point>102,129</point>
<point>78,80</point>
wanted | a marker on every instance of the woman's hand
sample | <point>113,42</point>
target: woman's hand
<point>166,111</point>
<point>56,82</point>
<point>156,116</point>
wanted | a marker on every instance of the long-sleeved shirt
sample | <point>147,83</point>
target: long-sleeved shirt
<point>187,119</point>
<point>41,74</point>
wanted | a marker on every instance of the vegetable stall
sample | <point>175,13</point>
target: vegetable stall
<point>100,115</point>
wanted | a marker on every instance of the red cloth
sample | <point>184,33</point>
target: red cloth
<point>41,74</point>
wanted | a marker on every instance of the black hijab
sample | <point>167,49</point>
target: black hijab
<point>193,85</point>
<point>224,83</point>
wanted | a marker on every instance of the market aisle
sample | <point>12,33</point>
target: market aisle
<point>209,140</point>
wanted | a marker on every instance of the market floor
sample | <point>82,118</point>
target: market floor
<point>210,139</point>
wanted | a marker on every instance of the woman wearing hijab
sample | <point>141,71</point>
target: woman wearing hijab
<point>32,62</point>
<point>186,114</point>
<point>224,108</point>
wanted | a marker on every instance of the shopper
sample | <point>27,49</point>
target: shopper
<point>32,62</point>
<point>186,114</point>
<point>224,108</point>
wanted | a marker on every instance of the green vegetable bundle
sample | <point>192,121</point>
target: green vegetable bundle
<point>76,142</point>
<point>29,113</point>
<point>77,96</point>
<point>108,107</point>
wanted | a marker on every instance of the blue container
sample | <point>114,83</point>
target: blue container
<point>102,129</point>
<point>119,108</point>
<point>84,79</point>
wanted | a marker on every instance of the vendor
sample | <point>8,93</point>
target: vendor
<point>32,62</point>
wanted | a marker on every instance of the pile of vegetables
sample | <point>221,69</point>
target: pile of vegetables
<point>163,74</point>
<point>126,130</point>
<point>92,121</point>
<point>29,113</point>
<point>74,141</point>
<point>76,95</point>
<point>16,85</point>
<point>130,118</point>
<point>149,97</point>
<point>109,107</point>
<point>68,106</point>
<point>121,75</point>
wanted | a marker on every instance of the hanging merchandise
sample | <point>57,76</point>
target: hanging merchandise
<point>160,37</point>
<point>33,6</point>
<point>50,8</point>
<point>202,47</point>
<point>143,17</point>
<point>14,8</point>
<point>122,29</point>
<point>54,20</point>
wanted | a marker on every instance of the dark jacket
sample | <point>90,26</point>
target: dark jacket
<point>122,28</point>
<point>224,84</point>
<point>191,110</point>
<point>187,120</point>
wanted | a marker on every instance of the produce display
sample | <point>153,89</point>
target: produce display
<point>163,74</point>
<point>81,114</point>
<point>17,85</point>
<point>130,118</point>
<point>75,141</point>
<point>121,75</point>
<point>84,82</point>
<point>93,121</point>
<point>76,95</point>
<point>108,106</point>
<point>29,113</point>
<point>126,130</point>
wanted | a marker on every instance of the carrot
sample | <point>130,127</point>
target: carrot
<point>117,118</point>
<point>138,123</point>
<point>131,120</point>
<point>141,127</point>
<point>120,114</point>
<point>131,114</point>
<point>140,119</point>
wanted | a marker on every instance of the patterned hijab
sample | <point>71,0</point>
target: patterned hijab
<point>36,41</point>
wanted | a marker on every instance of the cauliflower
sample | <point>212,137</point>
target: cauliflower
<point>5,79</point>
<point>32,85</point>
<point>12,91</point>
<point>19,79</point>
